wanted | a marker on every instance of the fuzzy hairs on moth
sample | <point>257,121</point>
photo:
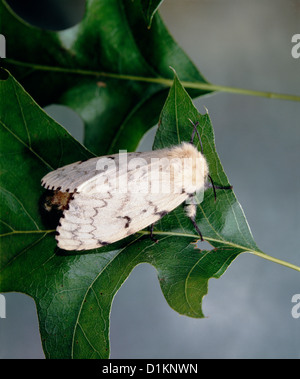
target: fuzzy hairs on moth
<point>106,199</point>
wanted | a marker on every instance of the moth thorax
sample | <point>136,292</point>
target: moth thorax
<point>191,169</point>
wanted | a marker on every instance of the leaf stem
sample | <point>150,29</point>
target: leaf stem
<point>162,81</point>
<point>244,248</point>
<point>275,260</point>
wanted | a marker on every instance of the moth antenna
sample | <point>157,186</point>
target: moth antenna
<point>194,132</point>
<point>224,187</point>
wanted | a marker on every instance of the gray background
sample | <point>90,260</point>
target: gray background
<point>244,44</point>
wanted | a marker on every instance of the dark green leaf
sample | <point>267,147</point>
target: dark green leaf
<point>74,292</point>
<point>222,222</point>
<point>62,67</point>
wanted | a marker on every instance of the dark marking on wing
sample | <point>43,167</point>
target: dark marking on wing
<point>128,220</point>
<point>162,213</point>
<point>103,243</point>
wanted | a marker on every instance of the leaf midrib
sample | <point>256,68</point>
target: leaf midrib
<point>158,232</point>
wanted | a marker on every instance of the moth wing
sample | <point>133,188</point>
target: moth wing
<point>83,176</point>
<point>102,210</point>
<point>93,221</point>
<point>72,177</point>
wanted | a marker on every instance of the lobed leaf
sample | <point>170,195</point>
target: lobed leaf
<point>73,292</point>
<point>69,67</point>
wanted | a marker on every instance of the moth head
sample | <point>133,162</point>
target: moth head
<point>208,181</point>
<point>192,168</point>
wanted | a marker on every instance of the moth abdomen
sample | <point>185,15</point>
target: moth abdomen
<point>57,200</point>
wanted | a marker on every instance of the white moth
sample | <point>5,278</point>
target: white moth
<point>108,198</point>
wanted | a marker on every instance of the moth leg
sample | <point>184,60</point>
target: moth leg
<point>151,233</point>
<point>191,210</point>
<point>197,229</point>
<point>214,187</point>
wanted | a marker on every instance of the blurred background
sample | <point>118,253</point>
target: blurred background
<point>234,43</point>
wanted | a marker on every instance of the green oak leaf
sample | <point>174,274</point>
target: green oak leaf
<point>112,38</point>
<point>227,223</point>
<point>74,291</point>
